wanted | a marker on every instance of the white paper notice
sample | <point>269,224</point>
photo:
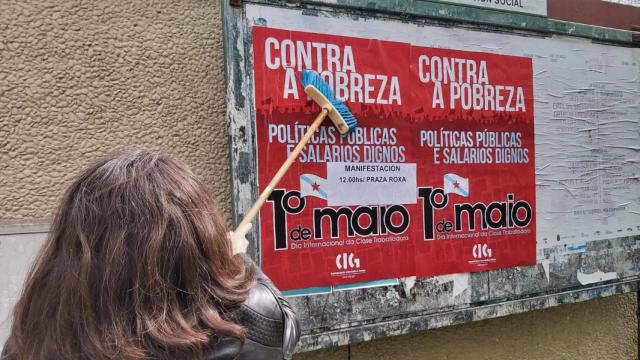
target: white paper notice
<point>536,7</point>
<point>370,183</point>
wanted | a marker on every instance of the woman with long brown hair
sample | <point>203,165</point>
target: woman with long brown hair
<point>139,265</point>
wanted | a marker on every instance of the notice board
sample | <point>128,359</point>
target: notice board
<point>490,173</point>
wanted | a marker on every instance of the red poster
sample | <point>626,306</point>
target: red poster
<point>437,178</point>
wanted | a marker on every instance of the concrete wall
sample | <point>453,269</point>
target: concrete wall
<point>80,79</point>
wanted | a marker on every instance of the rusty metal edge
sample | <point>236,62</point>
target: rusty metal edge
<point>469,15</point>
<point>408,325</point>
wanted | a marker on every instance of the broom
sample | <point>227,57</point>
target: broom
<point>338,112</point>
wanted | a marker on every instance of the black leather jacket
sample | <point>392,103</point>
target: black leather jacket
<point>272,326</point>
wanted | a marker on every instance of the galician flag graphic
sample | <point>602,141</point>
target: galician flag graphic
<point>455,184</point>
<point>312,185</point>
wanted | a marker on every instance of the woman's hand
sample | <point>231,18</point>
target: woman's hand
<point>238,239</point>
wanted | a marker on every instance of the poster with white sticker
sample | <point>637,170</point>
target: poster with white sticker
<point>562,164</point>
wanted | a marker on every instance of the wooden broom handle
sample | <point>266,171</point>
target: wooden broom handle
<point>251,214</point>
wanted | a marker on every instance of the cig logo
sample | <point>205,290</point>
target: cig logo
<point>346,261</point>
<point>481,251</point>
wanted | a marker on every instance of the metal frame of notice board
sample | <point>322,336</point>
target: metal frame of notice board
<point>344,317</point>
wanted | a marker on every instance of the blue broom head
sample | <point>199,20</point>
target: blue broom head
<point>311,77</point>
<point>320,91</point>
<point>342,109</point>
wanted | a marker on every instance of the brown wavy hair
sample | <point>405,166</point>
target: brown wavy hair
<point>137,265</point>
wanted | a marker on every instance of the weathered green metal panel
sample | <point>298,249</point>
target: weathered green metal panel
<point>344,317</point>
<point>468,15</point>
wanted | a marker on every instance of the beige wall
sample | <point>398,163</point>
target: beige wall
<point>80,79</point>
